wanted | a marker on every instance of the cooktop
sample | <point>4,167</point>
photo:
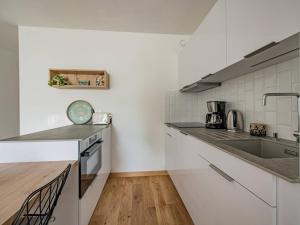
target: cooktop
<point>189,125</point>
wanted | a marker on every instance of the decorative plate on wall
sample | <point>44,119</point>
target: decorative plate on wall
<point>80,112</point>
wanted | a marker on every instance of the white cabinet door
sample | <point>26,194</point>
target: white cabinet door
<point>258,181</point>
<point>106,151</point>
<point>253,24</point>
<point>168,150</point>
<point>183,163</point>
<point>171,152</point>
<point>231,203</point>
<point>66,210</point>
<point>209,197</point>
<point>191,171</point>
<point>205,52</point>
<point>288,203</point>
<point>89,200</point>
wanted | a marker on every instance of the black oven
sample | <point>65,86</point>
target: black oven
<point>90,163</point>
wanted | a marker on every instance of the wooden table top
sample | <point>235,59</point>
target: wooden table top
<point>18,180</point>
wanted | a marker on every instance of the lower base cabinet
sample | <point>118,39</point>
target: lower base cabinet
<point>210,196</point>
<point>66,210</point>
<point>88,202</point>
<point>288,203</point>
<point>211,199</point>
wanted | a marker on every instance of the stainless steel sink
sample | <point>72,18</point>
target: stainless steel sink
<point>264,148</point>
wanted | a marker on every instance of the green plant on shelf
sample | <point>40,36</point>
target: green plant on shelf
<point>57,80</point>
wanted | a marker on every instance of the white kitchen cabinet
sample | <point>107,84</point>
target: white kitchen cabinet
<point>171,139</point>
<point>256,23</point>
<point>88,202</point>
<point>187,162</point>
<point>189,175</point>
<point>168,149</point>
<point>205,52</point>
<point>106,152</point>
<point>228,201</point>
<point>288,203</point>
<point>209,198</point>
<point>259,182</point>
<point>213,200</point>
<point>66,210</point>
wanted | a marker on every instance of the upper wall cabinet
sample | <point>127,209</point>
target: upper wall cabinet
<point>256,23</point>
<point>205,52</point>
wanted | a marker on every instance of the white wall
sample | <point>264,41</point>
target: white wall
<point>142,68</point>
<point>9,86</point>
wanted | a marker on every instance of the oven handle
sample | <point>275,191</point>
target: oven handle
<point>90,151</point>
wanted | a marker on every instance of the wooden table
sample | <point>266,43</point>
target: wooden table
<point>18,180</point>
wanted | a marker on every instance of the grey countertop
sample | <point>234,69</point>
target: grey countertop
<point>72,132</point>
<point>285,168</point>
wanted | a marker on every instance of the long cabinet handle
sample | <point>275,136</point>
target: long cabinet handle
<point>222,173</point>
<point>272,58</point>
<point>183,133</point>
<point>187,87</point>
<point>267,46</point>
<point>208,75</point>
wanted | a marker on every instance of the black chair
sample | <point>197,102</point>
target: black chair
<point>38,207</point>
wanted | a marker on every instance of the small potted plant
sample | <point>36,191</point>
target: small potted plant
<point>57,80</point>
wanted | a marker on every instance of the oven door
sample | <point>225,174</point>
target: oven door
<point>90,164</point>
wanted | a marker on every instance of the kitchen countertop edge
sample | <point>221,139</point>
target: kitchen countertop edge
<point>51,134</point>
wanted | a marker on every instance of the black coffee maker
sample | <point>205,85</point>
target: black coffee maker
<point>216,117</point>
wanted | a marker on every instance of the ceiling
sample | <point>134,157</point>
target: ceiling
<point>150,16</point>
<point>147,16</point>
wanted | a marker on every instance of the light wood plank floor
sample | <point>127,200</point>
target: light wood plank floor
<point>140,201</point>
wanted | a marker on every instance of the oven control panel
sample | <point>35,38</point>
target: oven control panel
<point>86,143</point>
<point>93,139</point>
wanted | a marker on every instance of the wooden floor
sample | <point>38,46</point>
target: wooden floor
<point>140,201</point>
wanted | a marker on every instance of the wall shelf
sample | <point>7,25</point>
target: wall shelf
<point>89,79</point>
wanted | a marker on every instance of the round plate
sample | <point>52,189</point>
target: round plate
<point>80,112</point>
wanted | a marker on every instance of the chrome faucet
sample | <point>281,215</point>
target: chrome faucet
<point>296,133</point>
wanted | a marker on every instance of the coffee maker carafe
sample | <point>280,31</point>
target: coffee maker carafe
<point>216,118</point>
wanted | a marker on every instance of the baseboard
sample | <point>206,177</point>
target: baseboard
<point>140,174</point>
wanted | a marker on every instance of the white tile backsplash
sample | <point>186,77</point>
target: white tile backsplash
<point>284,81</point>
<point>249,82</point>
<point>285,132</point>
<point>284,112</point>
<point>270,77</point>
<point>245,94</point>
<point>271,120</point>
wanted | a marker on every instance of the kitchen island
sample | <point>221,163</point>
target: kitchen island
<point>88,145</point>
<point>71,132</point>
<point>56,144</point>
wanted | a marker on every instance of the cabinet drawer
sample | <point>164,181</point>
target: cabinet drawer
<point>259,182</point>
<point>233,204</point>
